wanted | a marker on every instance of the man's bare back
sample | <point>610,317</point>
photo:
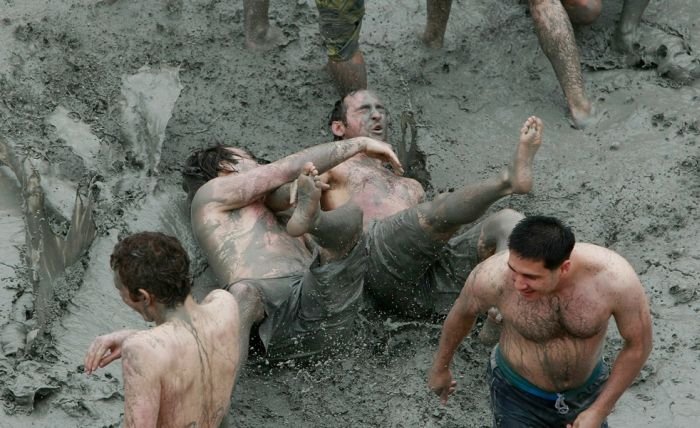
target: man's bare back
<point>188,365</point>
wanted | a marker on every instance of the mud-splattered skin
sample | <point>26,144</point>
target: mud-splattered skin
<point>240,236</point>
<point>378,191</point>
<point>555,321</point>
<point>182,371</point>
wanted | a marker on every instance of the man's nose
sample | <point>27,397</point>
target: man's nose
<point>376,114</point>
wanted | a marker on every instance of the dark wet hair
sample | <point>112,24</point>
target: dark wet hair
<point>542,238</point>
<point>340,111</point>
<point>203,165</point>
<point>156,263</point>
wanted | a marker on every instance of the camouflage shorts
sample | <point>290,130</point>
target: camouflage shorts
<point>340,22</point>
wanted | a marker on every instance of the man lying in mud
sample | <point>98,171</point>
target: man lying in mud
<point>339,21</point>
<point>304,310</point>
<point>556,298</point>
<point>181,372</point>
<point>553,21</point>
<point>304,295</point>
<point>414,269</point>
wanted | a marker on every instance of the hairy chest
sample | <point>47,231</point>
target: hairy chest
<point>551,318</point>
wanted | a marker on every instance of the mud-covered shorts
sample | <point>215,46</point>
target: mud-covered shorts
<point>340,22</point>
<point>411,273</point>
<point>517,403</point>
<point>312,311</point>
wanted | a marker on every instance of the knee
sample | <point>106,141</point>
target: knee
<point>249,301</point>
<point>583,12</point>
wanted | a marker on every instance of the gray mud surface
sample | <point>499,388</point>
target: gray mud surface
<point>70,103</point>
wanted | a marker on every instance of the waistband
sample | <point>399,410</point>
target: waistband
<point>520,382</point>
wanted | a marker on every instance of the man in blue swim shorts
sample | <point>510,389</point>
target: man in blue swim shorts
<point>556,297</point>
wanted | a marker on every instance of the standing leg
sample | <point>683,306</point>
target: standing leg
<point>627,33</point>
<point>556,36</point>
<point>436,23</point>
<point>349,75</point>
<point>259,34</point>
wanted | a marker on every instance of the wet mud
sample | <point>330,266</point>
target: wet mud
<point>103,100</point>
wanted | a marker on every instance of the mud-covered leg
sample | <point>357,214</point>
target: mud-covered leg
<point>349,75</point>
<point>259,34</point>
<point>446,213</point>
<point>436,23</point>
<point>627,32</point>
<point>556,36</point>
<point>335,231</point>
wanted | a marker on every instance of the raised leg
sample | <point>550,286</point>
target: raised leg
<point>446,213</point>
<point>349,75</point>
<point>556,36</point>
<point>335,231</point>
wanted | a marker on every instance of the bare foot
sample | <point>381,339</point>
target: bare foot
<point>263,39</point>
<point>582,117</point>
<point>519,174</point>
<point>308,208</point>
<point>431,40</point>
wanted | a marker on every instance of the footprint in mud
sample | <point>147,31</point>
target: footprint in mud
<point>668,50</point>
<point>412,158</point>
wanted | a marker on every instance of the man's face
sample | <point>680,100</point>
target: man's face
<point>365,116</point>
<point>531,278</point>
<point>244,162</point>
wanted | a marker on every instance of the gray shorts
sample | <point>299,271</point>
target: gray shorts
<point>413,274</point>
<point>312,311</point>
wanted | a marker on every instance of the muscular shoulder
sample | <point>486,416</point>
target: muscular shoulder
<point>486,283</point>
<point>143,353</point>
<point>221,300</point>
<point>611,271</point>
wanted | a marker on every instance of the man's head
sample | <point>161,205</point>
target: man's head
<point>150,268</point>
<point>204,164</point>
<point>539,254</point>
<point>360,114</point>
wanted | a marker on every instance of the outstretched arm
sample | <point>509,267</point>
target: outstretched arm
<point>633,320</point>
<point>458,324</point>
<point>240,189</point>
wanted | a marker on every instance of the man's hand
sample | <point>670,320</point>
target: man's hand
<point>105,349</point>
<point>589,418</point>
<point>442,384</point>
<point>382,151</point>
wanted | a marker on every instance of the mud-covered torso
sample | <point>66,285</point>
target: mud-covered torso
<point>378,191</point>
<point>554,341</point>
<point>249,243</point>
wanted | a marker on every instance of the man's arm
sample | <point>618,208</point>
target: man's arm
<point>633,319</point>
<point>458,324</point>
<point>240,189</point>
<point>141,385</point>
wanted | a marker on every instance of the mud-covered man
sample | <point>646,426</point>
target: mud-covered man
<point>553,21</point>
<point>181,372</point>
<point>556,298</point>
<point>418,260</point>
<point>301,294</point>
<point>340,22</point>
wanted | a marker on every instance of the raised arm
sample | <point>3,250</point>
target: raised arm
<point>141,385</point>
<point>240,189</point>
<point>474,298</point>
<point>633,319</point>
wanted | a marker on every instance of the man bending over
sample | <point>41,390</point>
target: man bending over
<point>556,298</point>
<point>181,372</point>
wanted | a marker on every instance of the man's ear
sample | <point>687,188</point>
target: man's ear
<point>338,128</point>
<point>145,297</point>
<point>565,266</point>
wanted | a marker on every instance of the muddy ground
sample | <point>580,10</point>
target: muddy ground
<point>69,76</point>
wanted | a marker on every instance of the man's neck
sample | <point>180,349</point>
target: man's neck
<point>179,312</point>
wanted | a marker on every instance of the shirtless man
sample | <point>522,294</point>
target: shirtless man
<point>415,268</point>
<point>553,21</point>
<point>339,21</point>
<point>181,372</point>
<point>301,294</point>
<point>556,298</point>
